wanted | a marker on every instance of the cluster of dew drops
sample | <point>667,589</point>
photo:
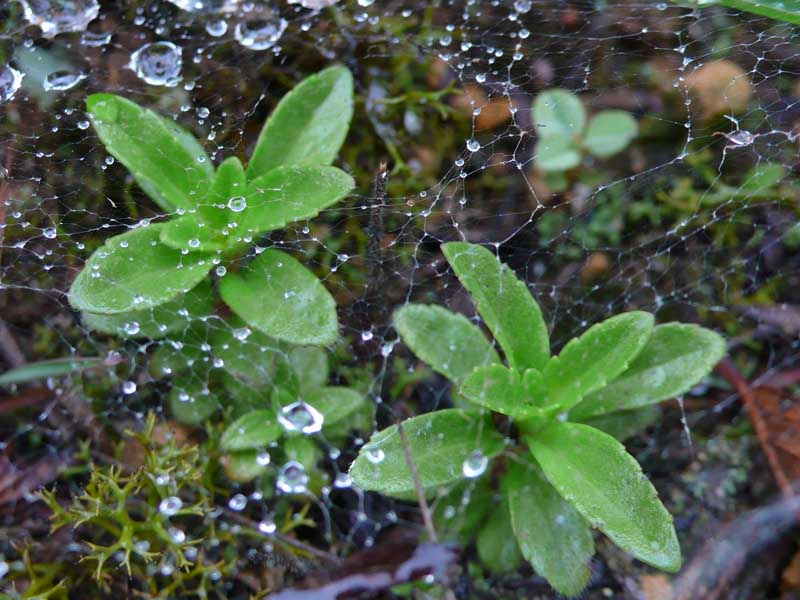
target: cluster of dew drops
<point>160,63</point>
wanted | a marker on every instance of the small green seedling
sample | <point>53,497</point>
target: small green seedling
<point>565,138</point>
<point>562,475</point>
<point>153,280</point>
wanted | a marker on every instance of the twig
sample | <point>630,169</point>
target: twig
<point>727,370</point>
<point>12,354</point>
<point>423,503</point>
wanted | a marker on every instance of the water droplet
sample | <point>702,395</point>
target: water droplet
<point>473,145</point>
<point>302,417</point>
<point>267,526</point>
<point>237,502</point>
<point>220,271</point>
<point>292,478</point>
<point>50,233</point>
<point>314,4</point>
<point>374,454</point>
<point>194,243</point>
<point>342,481</point>
<point>10,82</point>
<point>217,28</point>
<point>4,568</point>
<point>475,464</point>
<point>207,6</point>
<point>178,535</point>
<point>366,3</point>
<point>170,506</point>
<point>60,16</point>
<point>366,336</point>
<point>62,80</point>
<point>237,204</point>
<point>95,40</point>
<point>158,63</point>
<point>242,334</point>
<point>260,34</point>
<point>263,458</point>
<point>131,328</point>
<point>129,387</point>
<point>523,6</point>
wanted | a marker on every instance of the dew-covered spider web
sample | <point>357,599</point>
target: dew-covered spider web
<point>695,220</point>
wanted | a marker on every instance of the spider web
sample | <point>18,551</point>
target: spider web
<point>683,223</point>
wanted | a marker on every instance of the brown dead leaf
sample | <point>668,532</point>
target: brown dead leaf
<point>656,587</point>
<point>494,112</point>
<point>719,87</point>
<point>19,480</point>
<point>790,578</point>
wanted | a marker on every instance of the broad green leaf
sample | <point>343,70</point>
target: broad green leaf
<point>241,396</point>
<point>278,296</point>
<point>675,358</point>
<point>609,132</point>
<point>336,403</point>
<point>135,271</point>
<point>192,234</point>
<point>253,430</point>
<point>592,471</point>
<point>551,534</point>
<point>50,368</point>
<point>165,160</point>
<point>558,114</point>
<point>499,389</point>
<point>244,465</point>
<point>302,449</point>
<point>247,354</point>
<point>587,363</point>
<point>160,321</point>
<point>504,302</point>
<point>310,364</point>
<point>182,351</point>
<point>448,342</point>
<point>782,10</point>
<point>496,544</point>
<point>440,442</point>
<point>309,124</point>
<point>625,423</point>
<point>289,193</point>
<point>459,513</point>
<point>556,154</point>
<point>190,400</point>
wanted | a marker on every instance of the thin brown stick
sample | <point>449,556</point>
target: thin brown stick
<point>9,349</point>
<point>727,370</point>
<point>423,503</point>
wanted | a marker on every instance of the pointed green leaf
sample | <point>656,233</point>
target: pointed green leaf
<point>50,368</point>
<point>609,132</point>
<point>558,113</point>
<point>302,449</point>
<point>675,358</point>
<point>310,364</point>
<point>309,124</point>
<point>166,161</point>
<point>592,471</point>
<point>287,194</point>
<point>556,154</point>
<point>246,354</point>
<point>448,342</point>
<point>136,271</point>
<point>190,400</point>
<point>160,321</point>
<point>624,424</point>
<point>499,389</point>
<point>782,10</point>
<point>336,403</point>
<point>226,198</point>
<point>253,430</point>
<point>496,544</point>
<point>440,442</point>
<point>504,302</point>
<point>552,535</point>
<point>278,296</point>
<point>459,513</point>
<point>587,363</point>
